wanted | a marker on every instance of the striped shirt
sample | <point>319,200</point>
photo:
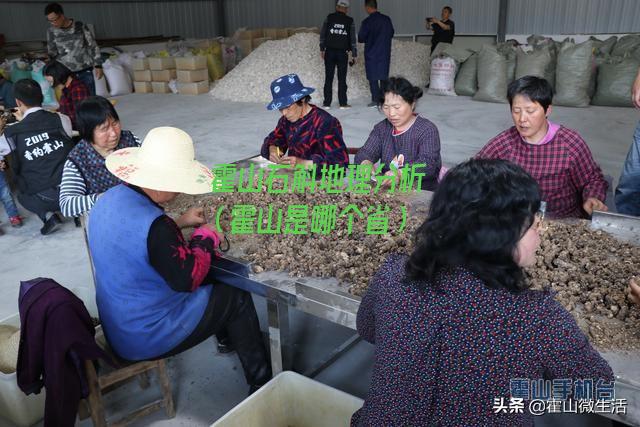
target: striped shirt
<point>74,199</point>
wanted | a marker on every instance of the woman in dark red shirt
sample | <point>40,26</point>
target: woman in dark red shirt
<point>73,90</point>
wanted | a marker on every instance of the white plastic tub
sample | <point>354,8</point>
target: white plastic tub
<point>15,406</point>
<point>290,400</point>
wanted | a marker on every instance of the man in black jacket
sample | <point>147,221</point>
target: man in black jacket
<point>40,143</point>
<point>337,43</point>
<point>444,30</point>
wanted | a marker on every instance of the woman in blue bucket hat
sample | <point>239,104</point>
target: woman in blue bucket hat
<point>305,134</point>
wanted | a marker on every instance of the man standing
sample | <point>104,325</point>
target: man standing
<point>72,43</point>
<point>337,42</point>
<point>40,144</point>
<point>376,33</point>
<point>443,29</point>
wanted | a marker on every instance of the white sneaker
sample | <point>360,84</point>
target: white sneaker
<point>345,107</point>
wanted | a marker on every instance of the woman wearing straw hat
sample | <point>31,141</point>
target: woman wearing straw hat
<point>305,134</point>
<point>153,289</point>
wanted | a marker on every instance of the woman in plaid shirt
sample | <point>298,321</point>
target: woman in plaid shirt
<point>558,158</point>
<point>74,90</point>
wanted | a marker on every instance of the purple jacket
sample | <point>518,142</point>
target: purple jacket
<point>56,337</point>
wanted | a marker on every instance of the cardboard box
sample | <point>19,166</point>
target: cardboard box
<point>196,88</point>
<point>142,87</point>
<point>163,75</point>
<point>142,76</point>
<point>242,35</point>
<point>271,33</point>
<point>257,33</point>
<point>160,87</point>
<point>163,63</point>
<point>140,64</point>
<point>245,47</point>
<point>193,76</point>
<point>257,42</point>
<point>191,63</point>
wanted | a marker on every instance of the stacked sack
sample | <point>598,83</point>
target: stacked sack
<point>598,72</point>
<point>616,71</point>
<point>445,62</point>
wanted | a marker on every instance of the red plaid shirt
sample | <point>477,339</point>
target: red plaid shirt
<point>564,168</point>
<point>317,137</point>
<point>71,97</point>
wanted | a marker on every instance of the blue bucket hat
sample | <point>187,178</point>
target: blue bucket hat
<point>286,90</point>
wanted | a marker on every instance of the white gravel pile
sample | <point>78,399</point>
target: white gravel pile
<point>249,81</point>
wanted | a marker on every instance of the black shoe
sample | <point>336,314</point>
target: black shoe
<point>76,221</point>
<point>225,346</point>
<point>51,225</point>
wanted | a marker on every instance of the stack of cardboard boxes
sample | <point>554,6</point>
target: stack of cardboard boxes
<point>193,75</point>
<point>153,74</point>
<point>249,40</point>
<point>141,76</point>
<point>163,70</point>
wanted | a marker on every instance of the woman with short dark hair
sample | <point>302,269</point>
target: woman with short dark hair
<point>560,160</point>
<point>73,91</point>
<point>454,323</point>
<point>85,177</point>
<point>403,138</point>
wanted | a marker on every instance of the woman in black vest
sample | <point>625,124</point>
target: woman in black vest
<point>85,177</point>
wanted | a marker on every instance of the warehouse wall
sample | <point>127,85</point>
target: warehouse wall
<point>573,16</point>
<point>25,20</point>
<point>471,17</point>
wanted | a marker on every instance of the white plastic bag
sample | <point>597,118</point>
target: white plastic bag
<point>126,60</point>
<point>101,85</point>
<point>48,93</point>
<point>118,79</point>
<point>443,77</point>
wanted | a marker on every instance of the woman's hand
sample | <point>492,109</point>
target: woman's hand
<point>593,204</point>
<point>634,291</point>
<point>274,154</point>
<point>293,161</point>
<point>193,217</point>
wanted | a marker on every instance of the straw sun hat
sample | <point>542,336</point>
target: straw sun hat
<point>164,162</point>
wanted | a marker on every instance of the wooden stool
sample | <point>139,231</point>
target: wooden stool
<point>100,384</point>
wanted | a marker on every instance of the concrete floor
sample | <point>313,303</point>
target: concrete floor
<point>207,385</point>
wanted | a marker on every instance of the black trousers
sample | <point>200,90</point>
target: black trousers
<point>231,311</point>
<point>335,58</point>
<point>41,203</point>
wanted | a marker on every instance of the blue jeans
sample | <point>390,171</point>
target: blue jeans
<point>6,198</point>
<point>86,77</point>
<point>628,190</point>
